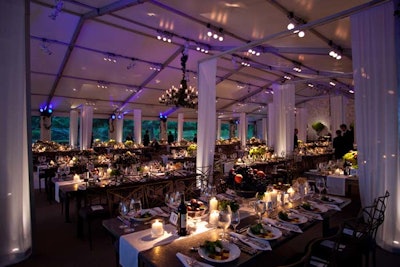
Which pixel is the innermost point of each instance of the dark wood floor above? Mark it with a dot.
(56, 242)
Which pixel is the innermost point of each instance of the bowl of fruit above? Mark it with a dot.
(196, 208)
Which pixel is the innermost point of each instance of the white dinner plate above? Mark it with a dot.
(143, 219)
(295, 219)
(315, 208)
(234, 253)
(330, 200)
(275, 233)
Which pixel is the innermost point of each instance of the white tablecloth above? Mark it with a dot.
(57, 188)
(336, 184)
(131, 244)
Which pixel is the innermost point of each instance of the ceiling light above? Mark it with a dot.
(102, 84)
(155, 67)
(310, 85)
(290, 26)
(254, 51)
(164, 36)
(351, 91)
(215, 33)
(297, 68)
(110, 57)
(56, 10)
(295, 22)
(46, 111)
(44, 46)
(287, 77)
(332, 83)
(202, 48)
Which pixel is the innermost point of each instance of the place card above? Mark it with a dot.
(173, 218)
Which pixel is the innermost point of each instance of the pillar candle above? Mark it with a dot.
(267, 197)
(274, 196)
(157, 229)
(77, 178)
(213, 220)
(213, 204)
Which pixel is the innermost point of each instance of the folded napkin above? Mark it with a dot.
(160, 212)
(308, 215)
(283, 225)
(336, 184)
(191, 262)
(325, 207)
(253, 242)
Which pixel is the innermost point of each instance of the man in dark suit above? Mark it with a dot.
(348, 138)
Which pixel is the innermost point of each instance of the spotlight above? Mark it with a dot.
(109, 57)
(164, 36)
(163, 117)
(46, 111)
(113, 116)
(216, 34)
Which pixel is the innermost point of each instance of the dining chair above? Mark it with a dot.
(124, 193)
(155, 193)
(355, 241)
(94, 207)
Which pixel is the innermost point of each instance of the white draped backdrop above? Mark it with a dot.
(377, 82)
(137, 121)
(301, 123)
(73, 128)
(86, 127)
(15, 166)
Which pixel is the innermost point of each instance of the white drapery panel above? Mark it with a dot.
(73, 128)
(301, 123)
(137, 122)
(86, 127)
(284, 117)
(243, 129)
(271, 126)
(206, 117)
(15, 213)
(119, 124)
(338, 105)
(180, 126)
(376, 77)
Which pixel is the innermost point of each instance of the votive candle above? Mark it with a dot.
(213, 204)
(213, 220)
(157, 229)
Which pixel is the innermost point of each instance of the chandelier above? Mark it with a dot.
(183, 96)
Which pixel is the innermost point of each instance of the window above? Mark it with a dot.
(128, 128)
(189, 129)
(35, 121)
(60, 130)
(100, 129)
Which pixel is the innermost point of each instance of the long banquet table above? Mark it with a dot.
(165, 255)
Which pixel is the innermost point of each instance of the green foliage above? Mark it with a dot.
(318, 126)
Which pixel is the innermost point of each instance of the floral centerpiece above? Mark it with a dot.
(192, 148)
(246, 181)
(129, 143)
(351, 157)
(257, 151)
(224, 203)
(126, 159)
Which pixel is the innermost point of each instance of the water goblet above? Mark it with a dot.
(235, 220)
(260, 208)
(224, 220)
(320, 184)
(123, 211)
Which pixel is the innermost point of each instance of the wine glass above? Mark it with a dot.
(260, 208)
(224, 220)
(67, 170)
(320, 184)
(123, 211)
(135, 205)
(235, 219)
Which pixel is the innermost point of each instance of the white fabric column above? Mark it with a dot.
(86, 127)
(376, 79)
(219, 125)
(45, 128)
(338, 105)
(284, 117)
(119, 127)
(264, 133)
(206, 117)
(243, 129)
(137, 121)
(16, 169)
(301, 123)
(163, 131)
(180, 126)
(73, 128)
(271, 126)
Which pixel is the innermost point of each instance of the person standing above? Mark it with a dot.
(339, 145)
(195, 138)
(146, 138)
(170, 138)
(348, 138)
(296, 139)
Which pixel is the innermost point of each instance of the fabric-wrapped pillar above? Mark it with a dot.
(45, 128)
(243, 129)
(284, 117)
(219, 125)
(163, 131)
(73, 128)
(271, 127)
(137, 121)
(180, 127)
(86, 127)
(119, 127)
(338, 105)
(264, 133)
(206, 117)
(15, 139)
(301, 123)
(376, 62)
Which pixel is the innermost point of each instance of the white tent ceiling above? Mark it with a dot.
(67, 53)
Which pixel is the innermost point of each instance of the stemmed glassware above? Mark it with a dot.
(235, 219)
(224, 220)
(260, 208)
(123, 211)
(320, 184)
